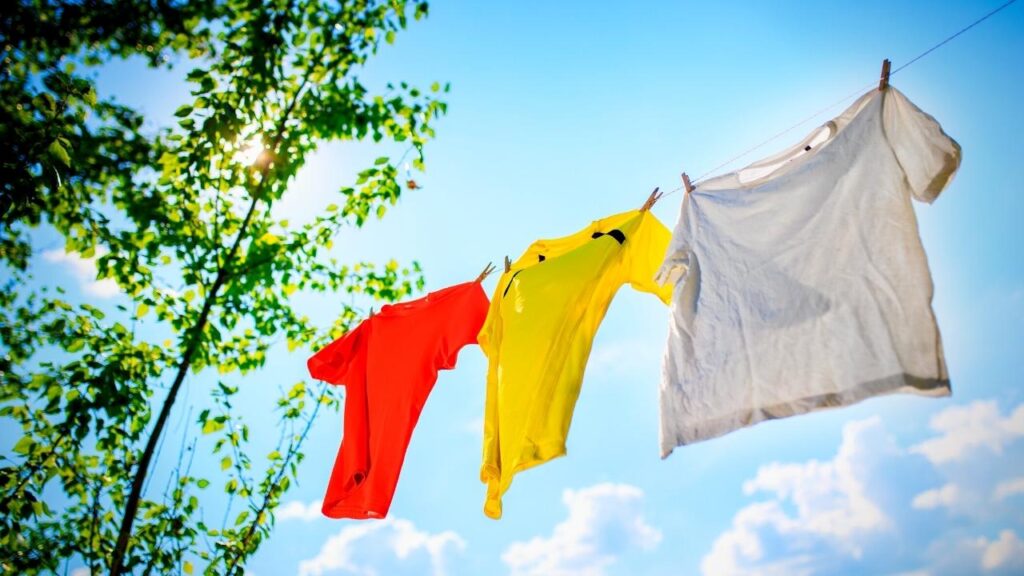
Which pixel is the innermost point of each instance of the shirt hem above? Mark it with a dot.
(897, 384)
(491, 474)
(355, 512)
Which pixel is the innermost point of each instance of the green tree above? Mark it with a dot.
(182, 220)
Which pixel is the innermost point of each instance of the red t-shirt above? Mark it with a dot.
(388, 365)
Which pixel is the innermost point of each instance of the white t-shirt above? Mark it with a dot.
(801, 282)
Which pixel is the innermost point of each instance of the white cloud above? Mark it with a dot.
(1009, 488)
(947, 496)
(1006, 552)
(81, 572)
(84, 270)
(740, 550)
(955, 555)
(831, 496)
(950, 555)
(389, 546)
(296, 510)
(834, 510)
(966, 429)
(604, 522)
(862, 512)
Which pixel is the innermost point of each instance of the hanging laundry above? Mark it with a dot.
(538, 334)
(801, 281)
(388, 365)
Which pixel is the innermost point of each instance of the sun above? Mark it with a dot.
(251, 151)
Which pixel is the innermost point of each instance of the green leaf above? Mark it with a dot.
(187, 567)
(141, 310)
(183, 111)
(225, 463)
(94, 311)
(212, 425)
(24, 446)
(380, 161)
(58, 152)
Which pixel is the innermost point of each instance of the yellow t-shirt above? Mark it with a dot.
(539, 329)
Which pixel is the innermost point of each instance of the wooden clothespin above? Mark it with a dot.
(654, 197)
(883, 81)
(508, 265)
(686, 183)
(486, 272)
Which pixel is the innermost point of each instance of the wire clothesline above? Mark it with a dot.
(821, 111)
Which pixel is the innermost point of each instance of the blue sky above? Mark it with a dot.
(561, 113)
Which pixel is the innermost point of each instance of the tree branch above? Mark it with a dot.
(277, 480)
(195, 336)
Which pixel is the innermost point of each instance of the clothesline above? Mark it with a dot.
(839, 314)
(842, 100)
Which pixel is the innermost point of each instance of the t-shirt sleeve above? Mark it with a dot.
(928, 156)
(346, 363)
(489, 335)
(466, 322)
(352, 464)
(646, 252)
(331, 364)
(490, 342)
(676, 263)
